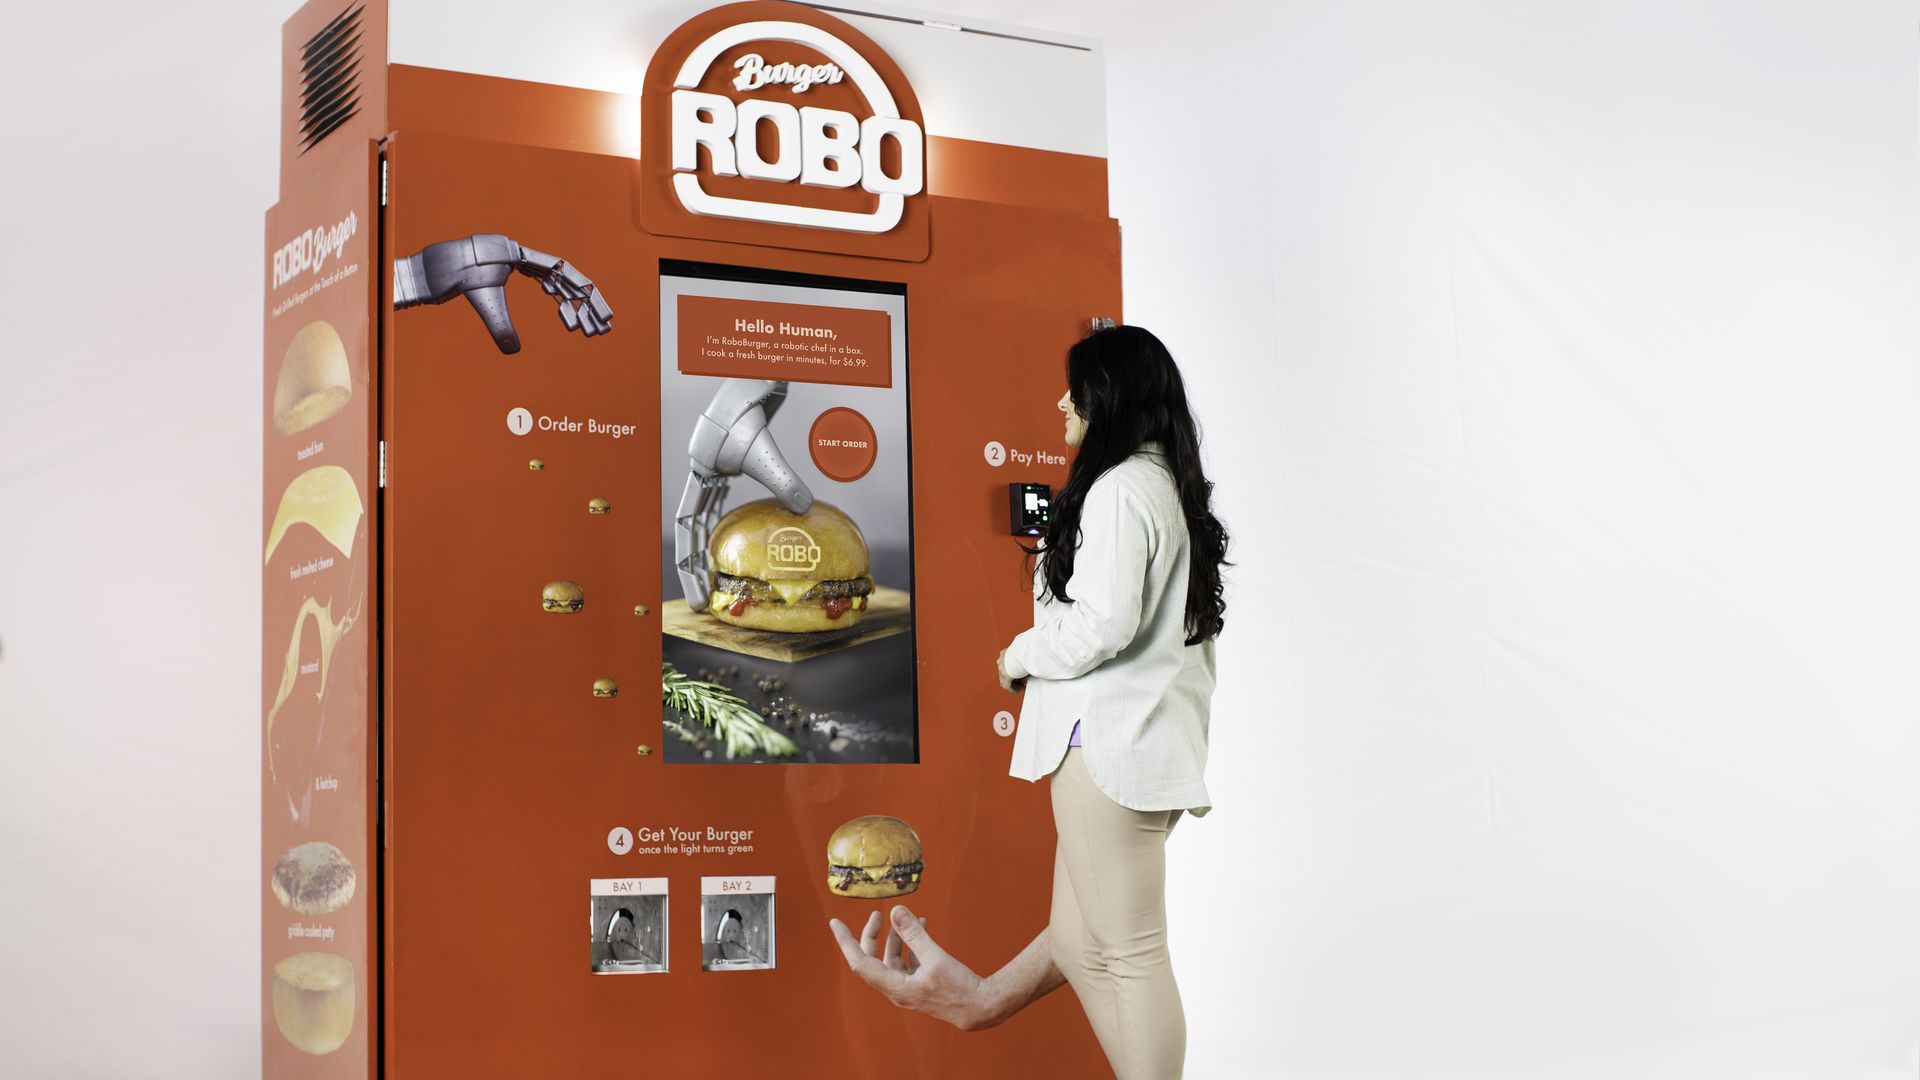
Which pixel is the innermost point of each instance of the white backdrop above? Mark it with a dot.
(1560, 376)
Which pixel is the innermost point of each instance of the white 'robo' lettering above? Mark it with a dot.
(825, 148)
(818, 147)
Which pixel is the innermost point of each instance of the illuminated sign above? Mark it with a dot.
(779, 125)
(818, 147)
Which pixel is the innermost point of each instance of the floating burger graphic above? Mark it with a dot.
(774, 124)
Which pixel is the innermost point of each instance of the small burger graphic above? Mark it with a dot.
(563, 597)
(777, 570)
(873, 858)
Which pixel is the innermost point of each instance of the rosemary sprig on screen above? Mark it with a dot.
(722, 711)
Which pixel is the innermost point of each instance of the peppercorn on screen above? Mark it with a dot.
(786, 539)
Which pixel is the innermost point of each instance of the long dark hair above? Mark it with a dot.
(1125, 384)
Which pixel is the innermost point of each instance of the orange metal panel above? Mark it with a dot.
(505, 774)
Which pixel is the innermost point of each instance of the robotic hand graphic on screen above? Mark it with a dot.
(730, 438)
(478, 268)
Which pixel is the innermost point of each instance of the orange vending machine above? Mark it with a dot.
(719, 343)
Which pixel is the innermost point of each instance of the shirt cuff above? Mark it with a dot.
(1011, 661)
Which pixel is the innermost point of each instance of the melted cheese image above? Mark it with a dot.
(313, 1000)
(324, 499)
(721, 601)
(792, 591)
(330, 634)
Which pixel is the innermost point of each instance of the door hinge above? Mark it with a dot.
(383, 463)
(383, 181)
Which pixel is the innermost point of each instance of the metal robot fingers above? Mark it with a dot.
(582, 307)
(478, 267)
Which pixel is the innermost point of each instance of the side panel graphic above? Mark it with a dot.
(319, 498)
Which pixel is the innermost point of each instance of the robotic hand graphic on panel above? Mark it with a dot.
(730, 438)
(478, 267)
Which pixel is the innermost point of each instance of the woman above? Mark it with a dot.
(1118, 670)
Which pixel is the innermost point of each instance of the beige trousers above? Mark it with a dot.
(1108, 928)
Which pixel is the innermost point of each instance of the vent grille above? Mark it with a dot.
(330, 78)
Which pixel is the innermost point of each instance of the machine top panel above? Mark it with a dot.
(980, 81)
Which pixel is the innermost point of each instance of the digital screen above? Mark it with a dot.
(786, 518)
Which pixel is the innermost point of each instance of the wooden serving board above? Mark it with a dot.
(889, 612)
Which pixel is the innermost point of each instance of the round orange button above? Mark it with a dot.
(842, 444)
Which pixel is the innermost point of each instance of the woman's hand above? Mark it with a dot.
(1007, 682)
(920, 976)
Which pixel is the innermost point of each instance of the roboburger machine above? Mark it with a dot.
(738, 364)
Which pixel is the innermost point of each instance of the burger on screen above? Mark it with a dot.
(789, 573)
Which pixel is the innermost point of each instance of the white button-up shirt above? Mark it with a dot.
(1116, 659)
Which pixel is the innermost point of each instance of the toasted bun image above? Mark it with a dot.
(313, 1000)
(873, 858)
(787, 572)
(313, 879)
(314, 381)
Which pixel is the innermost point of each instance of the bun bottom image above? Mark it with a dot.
(313, 1000)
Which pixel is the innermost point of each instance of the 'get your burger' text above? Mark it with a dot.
(671, 832)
